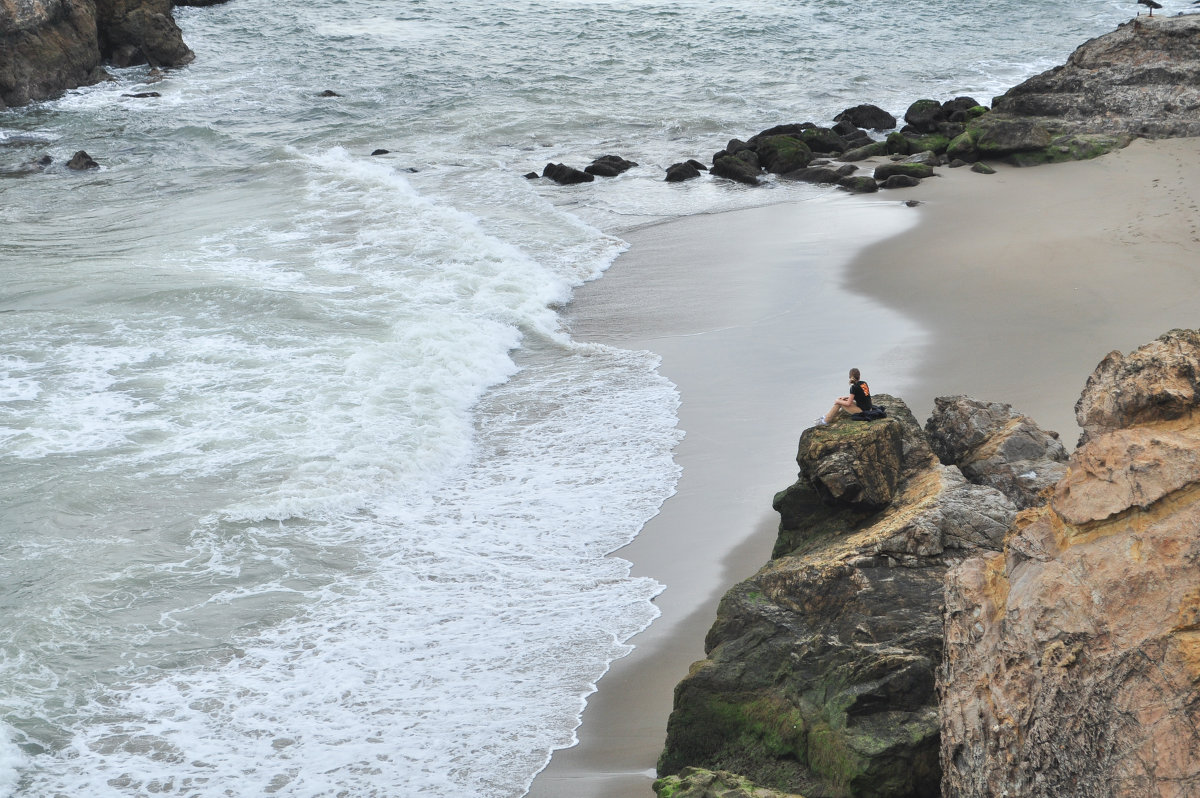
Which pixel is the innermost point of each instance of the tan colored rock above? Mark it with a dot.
(1158, 382)
(1072, 660)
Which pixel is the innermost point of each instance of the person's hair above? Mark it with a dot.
(855, 374)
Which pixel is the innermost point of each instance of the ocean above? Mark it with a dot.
(306, 488)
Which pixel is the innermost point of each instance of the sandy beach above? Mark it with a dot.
(1006, 287)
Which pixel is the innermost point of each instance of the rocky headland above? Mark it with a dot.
(961, 609)
(49, 46)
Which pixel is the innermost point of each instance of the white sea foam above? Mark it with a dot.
(11, 763)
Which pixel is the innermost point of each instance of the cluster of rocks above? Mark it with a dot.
(1141, 80)
(604, 166)
(48, 46)
(963, 609)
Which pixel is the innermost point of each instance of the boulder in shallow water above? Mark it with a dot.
(917, 170)
(734, 168)
(867, 116)
(609, 166)
(566, 175)
(859, 184)
(679, 172)
(783, 153)
(81, 160)
(900, 181)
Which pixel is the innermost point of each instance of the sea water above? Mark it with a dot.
(304, 488)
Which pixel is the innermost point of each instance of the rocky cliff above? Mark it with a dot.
(47, 46)
(1072, 660)
(1143, 79)
(821, 667)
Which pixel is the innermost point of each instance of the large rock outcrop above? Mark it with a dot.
(1072, 660)
(821, 667)
(48, 46)
(1143, 79)
(992, 444)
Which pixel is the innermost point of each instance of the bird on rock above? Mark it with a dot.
(1151, 4)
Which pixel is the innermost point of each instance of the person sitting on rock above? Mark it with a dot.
(859, 400)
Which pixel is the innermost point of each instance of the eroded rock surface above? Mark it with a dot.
(1073, 658)
(821, 668)
(1143, 79)
(992, 444)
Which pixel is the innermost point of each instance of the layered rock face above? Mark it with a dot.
(1141, 80)
(821, 667)
(47, 46)
(1072, 660)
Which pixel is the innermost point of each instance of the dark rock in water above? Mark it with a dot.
(748, 157)
(385, 152)
(679, 172)
(531, 175)
(140, 32)
(329, 93)
(857, 138)
(733, 168)
(901, 181)
(566, 175)
(917, 170)
(959, 105)
(45, 160)
(199, 3)
(814, 174)
(609, 166)
(847, 169)
(735, 146)
(81, 160)
(693, 162)
(994, 445)
(867, 116)
(783, 153)
(925, 115)
(791, 129)
(859, 184)
(912, 203)
(822, 139)
(142, 95)
(821, 668)
(982, 168)
(845, 127)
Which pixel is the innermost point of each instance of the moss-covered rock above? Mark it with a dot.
(701, 783)
(917, 170)
(932, 142)
(822, 139)
(925, 115)
(783, 153)
(963, 148)
(875, 148)
(733, 168)
(859, 184)
(898, 144)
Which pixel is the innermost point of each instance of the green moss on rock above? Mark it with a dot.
(783, 153)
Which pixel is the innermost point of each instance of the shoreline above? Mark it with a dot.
(1023, 280)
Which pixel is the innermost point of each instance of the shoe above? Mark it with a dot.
(820, 422)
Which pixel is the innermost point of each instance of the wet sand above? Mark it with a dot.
(1007, 287)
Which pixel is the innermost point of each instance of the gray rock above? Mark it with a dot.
(733, 168)
(995, 445)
